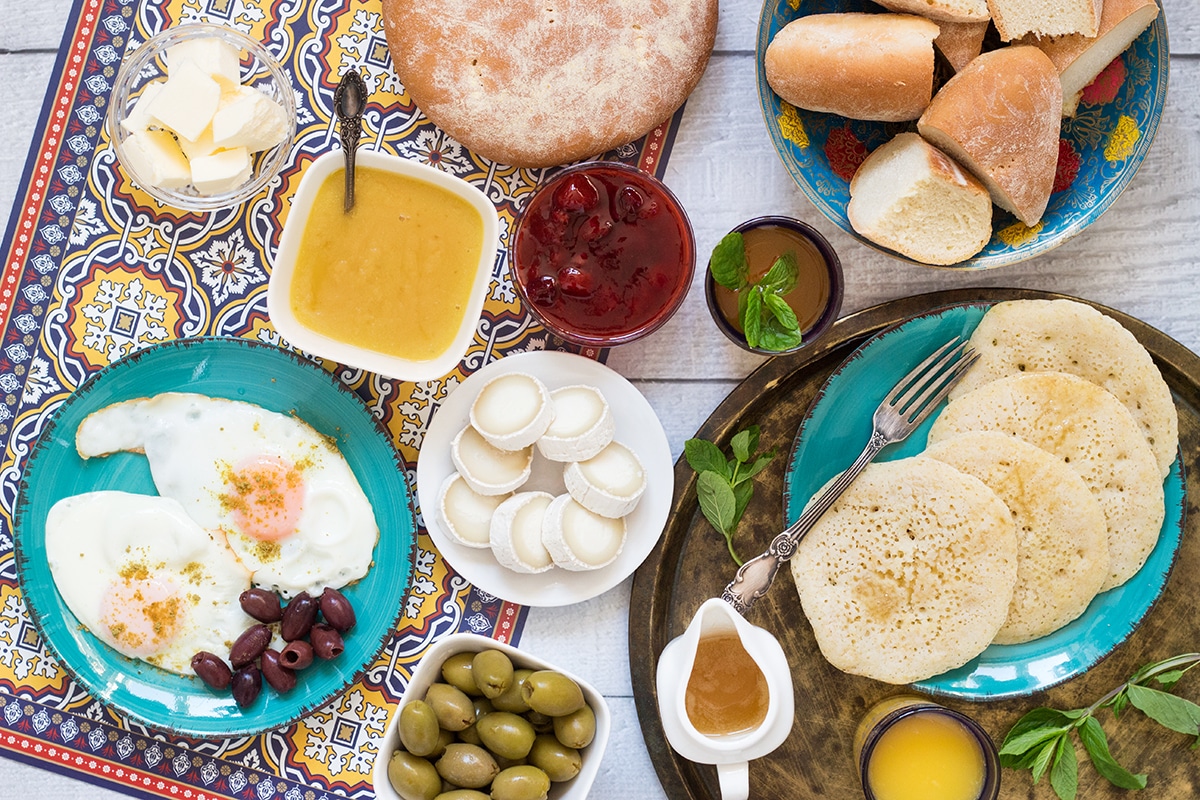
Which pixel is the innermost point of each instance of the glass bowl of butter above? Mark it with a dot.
(202, 117)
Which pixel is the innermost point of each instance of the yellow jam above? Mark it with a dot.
(394, 275)
(926, 756)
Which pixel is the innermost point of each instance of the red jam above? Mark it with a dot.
(603, 254)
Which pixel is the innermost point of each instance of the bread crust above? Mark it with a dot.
(1013, 18)
(536, 84)
(960, 42)
(862, 66)
(1000, 117)
(941, 10)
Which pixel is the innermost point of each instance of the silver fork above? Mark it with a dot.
(900, 413)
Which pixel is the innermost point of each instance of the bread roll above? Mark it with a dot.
(960, 42)
(941, 10)
(910, 197)
(1000, 118)
(861, 66)
(1080, 59)
(1015, 18)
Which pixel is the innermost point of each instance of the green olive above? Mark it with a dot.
(576, 729)
(505, 763)
(541, 723)
(554, 758)
(453, 708)
(419, 728)
(521, 783)
(462, 794)
(445, 737)
(511, 700)
(493, 672)
(467, 765)
(413, 777)
(456, 671)
(505, 734)
(482, 706)
(552, 693)
(470, 735)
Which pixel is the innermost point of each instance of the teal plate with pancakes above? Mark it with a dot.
(834, 432)
(236, 369)
(1100, 149)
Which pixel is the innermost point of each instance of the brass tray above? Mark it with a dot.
(691, 565)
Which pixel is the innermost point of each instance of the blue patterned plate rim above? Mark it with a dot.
(834, 431)
(1153, 43)
(238, 369)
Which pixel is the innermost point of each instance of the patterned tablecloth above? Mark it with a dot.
(94, 269)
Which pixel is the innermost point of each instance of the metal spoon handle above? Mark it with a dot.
(349, 100)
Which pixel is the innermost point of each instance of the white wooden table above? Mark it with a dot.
(1142, 257)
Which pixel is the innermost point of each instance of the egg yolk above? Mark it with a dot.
(264, 495)
(142, 615)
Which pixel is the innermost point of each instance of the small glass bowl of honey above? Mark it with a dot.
(816, 299)
(908, 748)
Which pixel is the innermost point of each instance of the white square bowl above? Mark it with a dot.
(279, 292)
(429, 671)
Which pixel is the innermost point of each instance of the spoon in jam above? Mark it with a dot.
(349, 100)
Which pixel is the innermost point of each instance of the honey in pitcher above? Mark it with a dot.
(727, 692)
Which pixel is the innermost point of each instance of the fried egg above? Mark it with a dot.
(277, 490)
(142, 576)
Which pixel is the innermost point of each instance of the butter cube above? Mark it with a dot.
(215, 57)
(249, 118)
(187, 101)
(138, 118)
(202, 146)
(155, 158)
(223, 171)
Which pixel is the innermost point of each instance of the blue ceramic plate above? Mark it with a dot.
(834, 432)
(1100, 150)
(237, 369)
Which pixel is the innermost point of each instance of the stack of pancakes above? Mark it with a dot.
(1042, 485)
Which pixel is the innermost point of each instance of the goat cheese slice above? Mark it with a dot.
(512, 411)
(138, 119)
(248, 118)
(583, 424)
(154, 157)
(187, 101)
(516, 533)
(609, 483)
(487, 469)
(222, 171)
(578, 539)
(215, 57)
(466, 514)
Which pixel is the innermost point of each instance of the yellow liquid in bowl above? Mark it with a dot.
(395, 274)
(926, 756)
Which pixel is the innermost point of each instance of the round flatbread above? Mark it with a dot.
(1062, 540)
(535, 84)
(1065, 336)
(910, 573)
(1093, 433)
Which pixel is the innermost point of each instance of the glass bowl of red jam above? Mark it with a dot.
(603, 254)
(816, 299)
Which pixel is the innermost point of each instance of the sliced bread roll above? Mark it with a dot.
(1080, 59)
(1015, 18)
(861, 66)
(960, 42)
(942, 10)
(1000, 118)
(910, 197)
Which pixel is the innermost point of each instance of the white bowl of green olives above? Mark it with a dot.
(482, 720)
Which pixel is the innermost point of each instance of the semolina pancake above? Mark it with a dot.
(1062, 539)
(1065, 336)
(910, 573)
(1091, 431)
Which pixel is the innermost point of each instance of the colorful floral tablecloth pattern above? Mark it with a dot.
(94, 269)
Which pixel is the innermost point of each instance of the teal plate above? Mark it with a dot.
(839, 424)
(1100, 149)
(237, 369)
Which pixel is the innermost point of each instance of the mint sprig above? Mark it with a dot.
(1041, 740)
(724, 486)
(768, 322)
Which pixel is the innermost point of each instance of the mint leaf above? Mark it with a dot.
(742, 493)
(1042, 761)
(1096, 744)
(752, 322)
(717, 502)
(740, 444)
(755, 433)
(1064, 775)
(1016, 745)
(1169, 679)
(782, 276)
(782, 312)
(1035, 719)
(756, 467)
(703, 455)
(1167, 710)
(774, 337)
(728, 262)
